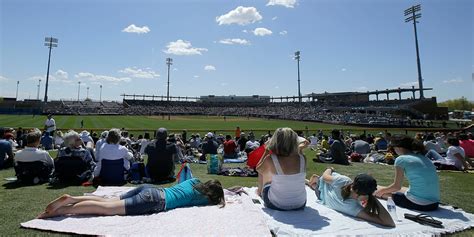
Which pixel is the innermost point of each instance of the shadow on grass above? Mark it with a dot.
(15, 185)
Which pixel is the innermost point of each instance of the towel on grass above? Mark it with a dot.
(318, 220)
(238, 218)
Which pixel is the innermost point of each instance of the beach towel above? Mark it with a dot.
(239, 217)
(318, 220)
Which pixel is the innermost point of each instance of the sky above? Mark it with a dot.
(233, 47)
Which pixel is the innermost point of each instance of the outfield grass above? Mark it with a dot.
(21, 204)
(202, 124)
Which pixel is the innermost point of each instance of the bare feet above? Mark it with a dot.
(64, 200)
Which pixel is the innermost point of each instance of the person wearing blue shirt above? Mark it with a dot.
(47, 141)
(423, 192)
(143, 200)
(353, 198)
(6, 154)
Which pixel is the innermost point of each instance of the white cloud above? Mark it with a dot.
(262, 31)
(235, 41)
(274, 18)
(2, 78)
(135, 72)
(136, 29)
(277, 87)
(409, 84)
(196, 76)
(175, 69)
(343, 69)
(62, 74)
(240, 15)
(93, 77)
(285, 3)
(224, 84)
(183, 47)
(209, 68)
(283, 32)
(245, 31)
(453, 81)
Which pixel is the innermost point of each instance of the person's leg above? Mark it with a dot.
(111, 208)
(433, 155)
(66, 199)
(387, 195)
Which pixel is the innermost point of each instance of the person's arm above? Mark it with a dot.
(10, 154)
(462, 160)
(261, 168)
(395, 186)
(327, 175)
(304, 144)
(383, 218)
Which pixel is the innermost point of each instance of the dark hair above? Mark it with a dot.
(228, 137)
(463, 136)
(430, 137)
(336, 134)
(371, 207)
(147, 136)
(453, 141)
(212, 189)
(404, 141)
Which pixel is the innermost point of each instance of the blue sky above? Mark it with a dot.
(234, 47)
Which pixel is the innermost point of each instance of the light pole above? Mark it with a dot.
(169, 62)
(411, 12)
(78, 90)
(49, 42)
(297, 58)
(87, 97)
(38, 93)
(16, 96)
(100, 96)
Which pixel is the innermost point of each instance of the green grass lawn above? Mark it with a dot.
(19, 204)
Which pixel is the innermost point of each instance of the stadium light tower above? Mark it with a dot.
(100, 95)
(87, 97)
(411, 15)
(16, 96)
(49, 42)
(169, 62)
(38, 93)
(297, 58)
(78, 90)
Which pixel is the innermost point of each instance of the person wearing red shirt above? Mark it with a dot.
(230, 148)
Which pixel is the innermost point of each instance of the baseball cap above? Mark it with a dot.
(209, 135)
(364, 184)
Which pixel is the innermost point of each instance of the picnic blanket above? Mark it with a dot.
(318, 220)
(239, 217)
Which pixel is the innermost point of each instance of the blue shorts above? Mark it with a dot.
(402, 201)
(270, 205)
(143, 200)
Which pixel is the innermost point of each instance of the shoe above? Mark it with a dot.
(424, 220)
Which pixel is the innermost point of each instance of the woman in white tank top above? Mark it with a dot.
(281, 174)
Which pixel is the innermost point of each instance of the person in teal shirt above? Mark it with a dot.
(423, 192)
(353, 198)
(146, 199)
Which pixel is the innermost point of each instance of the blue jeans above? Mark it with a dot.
(433, 155)
(143, 200)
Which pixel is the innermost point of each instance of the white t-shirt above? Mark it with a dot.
(452, 150)
(112, 152)
(313, 140)
(252, 145)
(50, 125)
(30, 154)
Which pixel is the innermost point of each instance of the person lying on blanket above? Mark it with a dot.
(146, 199)
(423, 192)
(353, 198)
(281, 175)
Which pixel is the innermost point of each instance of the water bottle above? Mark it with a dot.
(392, 209)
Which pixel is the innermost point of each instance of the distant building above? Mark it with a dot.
(258, 99)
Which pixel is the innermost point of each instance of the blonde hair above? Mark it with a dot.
(284, 142)
(70, 138)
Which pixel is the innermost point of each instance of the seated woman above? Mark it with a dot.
(281, 175)
(143, 200)
(337, 151)
(423, 191)
(340, 193)
(455, 157)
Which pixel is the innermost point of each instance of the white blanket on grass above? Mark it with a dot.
(318, 220)
(239, 217)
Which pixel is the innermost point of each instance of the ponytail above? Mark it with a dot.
(371, 207)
